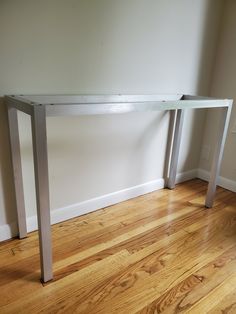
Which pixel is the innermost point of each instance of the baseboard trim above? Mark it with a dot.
(223, 182)
(187, 175)
(85, 207)
(8, 231)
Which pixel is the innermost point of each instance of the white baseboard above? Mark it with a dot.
(85, 207)
(223, 182)
(187, 175)
(8, 231)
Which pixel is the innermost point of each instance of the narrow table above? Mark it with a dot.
(41, 106)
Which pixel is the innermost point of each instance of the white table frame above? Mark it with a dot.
(38, 107)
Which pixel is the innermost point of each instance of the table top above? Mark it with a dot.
(103, 104)
(84, 99)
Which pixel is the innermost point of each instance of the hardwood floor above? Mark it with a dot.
(159, 253)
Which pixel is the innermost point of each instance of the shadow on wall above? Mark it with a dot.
(6, 180)
(151, 130)
(210, 31)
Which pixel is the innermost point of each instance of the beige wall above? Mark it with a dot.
(106, 46)
(224, 85)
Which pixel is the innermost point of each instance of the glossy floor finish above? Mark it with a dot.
(159, 253)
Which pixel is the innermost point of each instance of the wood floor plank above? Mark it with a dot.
(145, 239)
(173, 273)
(32, 261)
(215, 297)
(227, 305)
(90, 276)
(77, 266)
(159, 253)
(179, 268)
(69, 231)
(184, 295)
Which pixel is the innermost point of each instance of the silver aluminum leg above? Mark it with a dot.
(169, 145)
(17, 171)
(175, 148)
(42, 190)
(219, 149)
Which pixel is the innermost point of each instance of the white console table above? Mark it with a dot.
(38, 107)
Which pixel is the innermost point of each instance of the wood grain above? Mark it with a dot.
(159, 253)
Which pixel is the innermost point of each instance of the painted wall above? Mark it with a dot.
(106, 46)
(224, 85)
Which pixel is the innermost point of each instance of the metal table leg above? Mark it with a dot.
(17, 171)
(218, 155)
(175, 148)
(42, 190)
